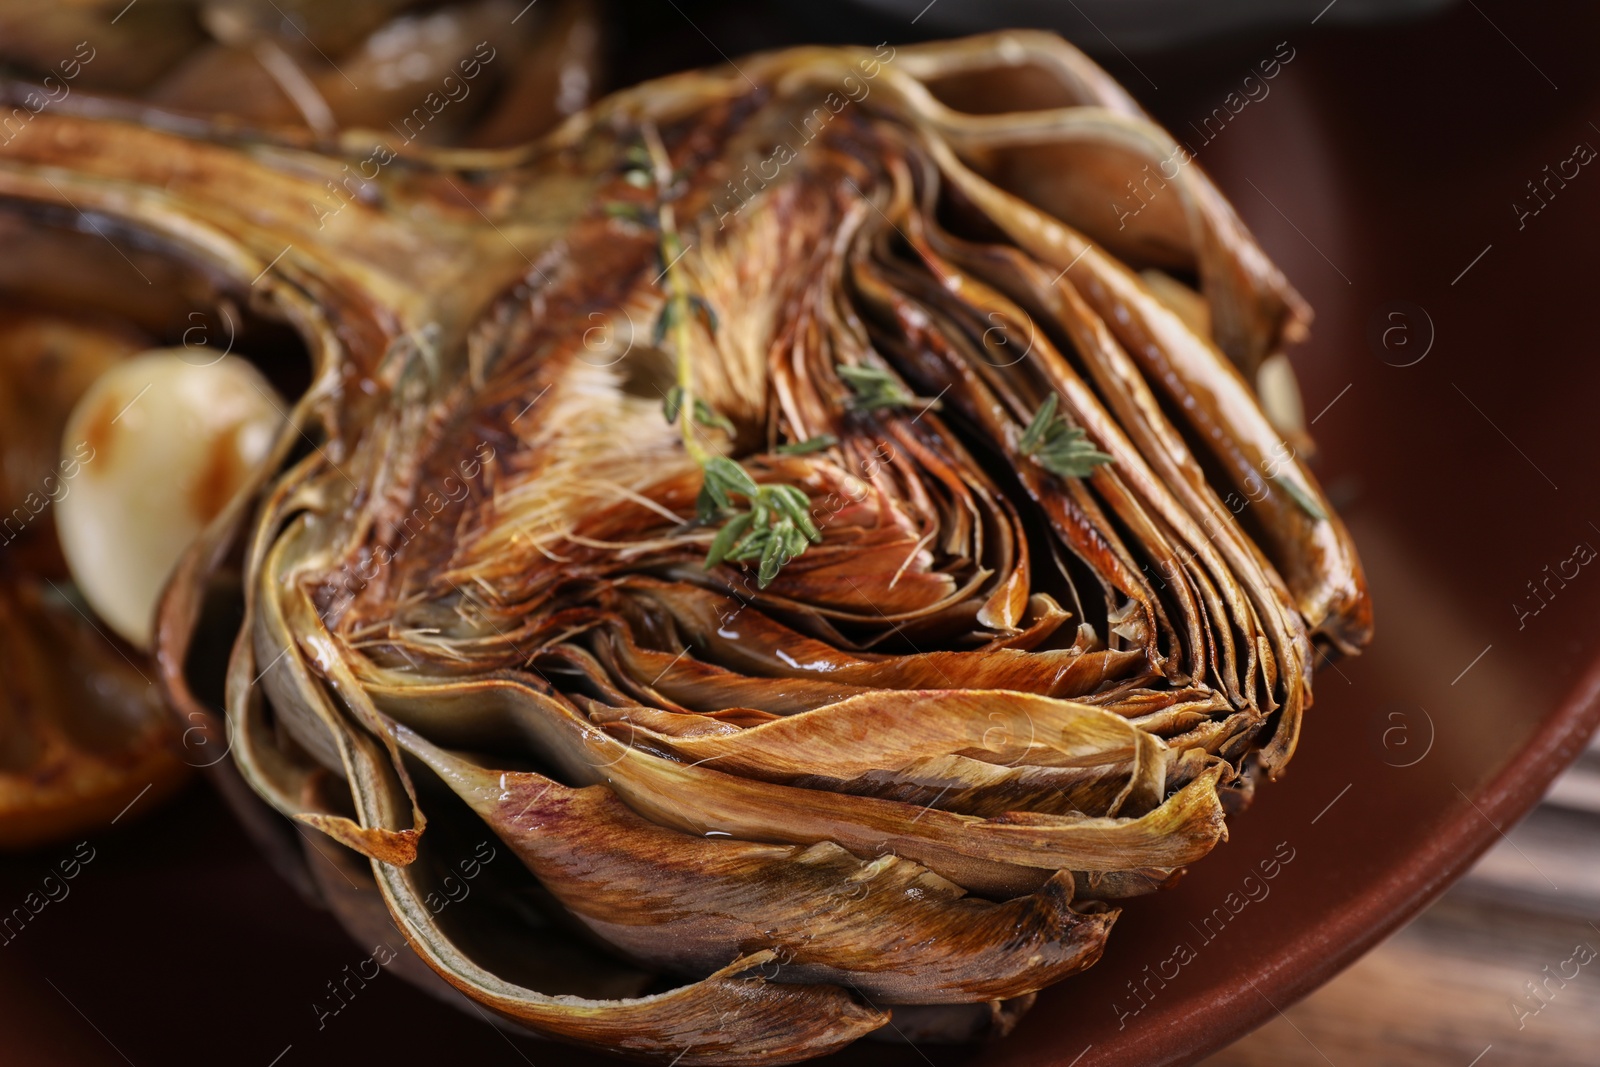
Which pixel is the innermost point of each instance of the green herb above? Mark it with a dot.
(1306, 502)
(774, 525)
(626, 209)
(665, 320)
(723, 479)
(810, 444)
(876, 388)
(707, 314)
(706, 415)
(776, 528)
(1058, 446)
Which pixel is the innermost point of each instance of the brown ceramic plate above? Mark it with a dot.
(1380, 172)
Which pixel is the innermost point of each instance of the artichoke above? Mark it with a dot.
(479, 72)
(776, 509)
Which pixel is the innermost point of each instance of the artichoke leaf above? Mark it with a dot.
(887, 927)
(1003, 856)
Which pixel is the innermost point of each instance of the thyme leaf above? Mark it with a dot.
(875, 388)
(1306, 502)
(707, 314)
(627, 209)
(706, 415)
(722, 478)
(810, 444)
(776, 528)
(1058, 446)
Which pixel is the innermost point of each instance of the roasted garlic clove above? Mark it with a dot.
(152, 452)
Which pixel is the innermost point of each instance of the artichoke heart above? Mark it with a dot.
(782, 508)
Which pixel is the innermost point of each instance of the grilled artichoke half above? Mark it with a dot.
(1046, 584)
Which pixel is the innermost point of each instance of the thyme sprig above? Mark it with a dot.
(773, 524)
(776, 528)
(1058, 446)
(704, 413)
(875, 388)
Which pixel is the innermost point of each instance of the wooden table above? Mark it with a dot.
(1503, 970)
